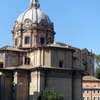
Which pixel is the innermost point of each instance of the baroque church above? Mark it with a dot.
(36, 62)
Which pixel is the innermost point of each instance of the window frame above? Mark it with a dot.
(27, 40)
(27, 61)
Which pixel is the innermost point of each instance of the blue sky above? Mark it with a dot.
(77, 22)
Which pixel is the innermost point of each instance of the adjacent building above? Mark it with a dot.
(91, 88)
(36, 62)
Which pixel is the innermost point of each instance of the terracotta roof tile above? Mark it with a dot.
(90, 78)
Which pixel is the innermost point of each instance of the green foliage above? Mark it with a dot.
(97, 73)
(50, 95)
(97, 60)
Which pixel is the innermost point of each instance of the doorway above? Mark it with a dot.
(1, 64)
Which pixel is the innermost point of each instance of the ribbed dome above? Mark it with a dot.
(34, 14)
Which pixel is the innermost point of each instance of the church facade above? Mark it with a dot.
(36, 62)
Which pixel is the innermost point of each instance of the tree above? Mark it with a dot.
(97, 60)
(98, 73)
(50, 95)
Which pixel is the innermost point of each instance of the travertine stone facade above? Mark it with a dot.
(10, 57)
(6, 80)
(54, 55)
(65, 83)
(77, 85)
(27, 84)
(34, 88)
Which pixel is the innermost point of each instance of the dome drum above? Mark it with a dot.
(31, 26)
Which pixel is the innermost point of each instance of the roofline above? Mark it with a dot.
(1, 50)
(52, 47)
(41, 69)
(91, 80)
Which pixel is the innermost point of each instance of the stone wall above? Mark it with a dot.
(51, 57)
(84, 59)
(22, 86)
(61, 83)
(66, 83)
(77, 86)
(13, 59)
(34, 88)
(63, 55)
(6, 80)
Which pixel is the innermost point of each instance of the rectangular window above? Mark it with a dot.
(42, 40)
(27, 61)
(27, 40)
(94, 91)
(98, 98)
(61, 64)
(87, 98)
(1, 65)
(83, 98)
(87, 91)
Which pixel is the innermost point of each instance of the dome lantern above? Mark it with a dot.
(34, 3)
